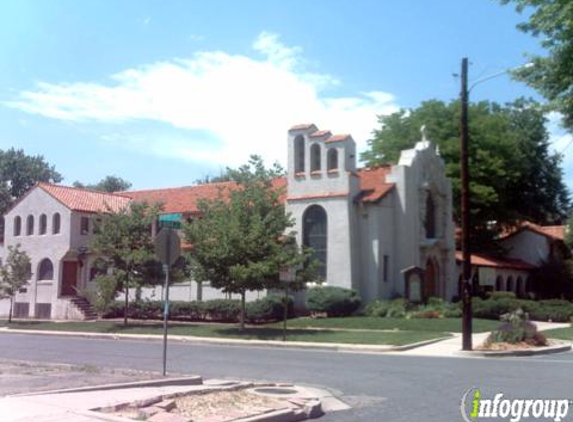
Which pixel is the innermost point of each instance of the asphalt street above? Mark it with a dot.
(380, 387)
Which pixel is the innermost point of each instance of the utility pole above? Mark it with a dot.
(466, 258)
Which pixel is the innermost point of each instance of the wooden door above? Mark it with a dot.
(69, 278)
(430, 281)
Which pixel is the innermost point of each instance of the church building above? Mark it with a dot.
(386, 231)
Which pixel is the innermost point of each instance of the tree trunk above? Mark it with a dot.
(243, 309)
(126, 306)
(10, 312)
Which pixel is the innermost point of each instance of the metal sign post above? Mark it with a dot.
(167, 250)
(286, 276)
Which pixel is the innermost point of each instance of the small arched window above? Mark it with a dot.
(510, 284)
(315, 158)
(332, 159)
(43, 224)
(46, 270)
(314, 229)
(430, 223)
(56, 222)
(30, 225)
(299, 154)
(17, 225)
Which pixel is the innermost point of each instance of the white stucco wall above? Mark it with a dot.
(38, 247)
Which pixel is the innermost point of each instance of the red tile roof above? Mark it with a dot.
(304, 126)
(552, 232)
(483, 260)
(186, 199)
(320, 133)
(85, 200)
(373, 183)
(337, 138)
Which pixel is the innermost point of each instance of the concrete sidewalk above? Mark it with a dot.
(451, 347)
(72, 406)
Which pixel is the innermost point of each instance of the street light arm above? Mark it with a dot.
(495, 75)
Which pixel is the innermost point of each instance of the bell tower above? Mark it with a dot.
(322, 184)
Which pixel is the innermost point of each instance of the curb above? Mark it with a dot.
(334, 347)
(191, 380)
(558, 348)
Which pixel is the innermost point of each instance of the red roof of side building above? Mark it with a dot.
(483, 260)
(186, 199)
(85, 200)
(553, 232)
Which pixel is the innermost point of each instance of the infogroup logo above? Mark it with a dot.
(475, 407)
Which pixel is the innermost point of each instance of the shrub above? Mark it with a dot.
(187, 311)
(334, 301)
(222, 310)
(270, 308)
(427, 314)
(516, 328)
(377, 308)
(398, 308)
(545, 310)
(501, 295)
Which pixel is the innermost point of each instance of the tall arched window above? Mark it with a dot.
(529, 285)
(332, 159)
(499, 284)
(510, 284)
(17, 225)
(56, 222)
(520, 288)
(43, 224)
(30, 225)
(314, 229)
(299, 154)
(430, 223)
(46, 270)
(315, 158)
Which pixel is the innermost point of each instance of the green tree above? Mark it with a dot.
(552, 74)
(19, 173)
(569, 233)
(241, 241)
(107, 184)
(125, 242)
(514, 176)
(14, 274)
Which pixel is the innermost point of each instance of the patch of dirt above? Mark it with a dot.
(27, 377)
(203, 405)
(507, 346)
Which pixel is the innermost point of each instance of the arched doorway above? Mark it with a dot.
(431, 279)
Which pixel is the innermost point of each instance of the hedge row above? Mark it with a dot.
(218, 310)
(555, 310)
(494, 307)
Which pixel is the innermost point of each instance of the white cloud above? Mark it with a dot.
(246, 104)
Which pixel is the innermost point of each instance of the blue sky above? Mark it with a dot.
(163, 93)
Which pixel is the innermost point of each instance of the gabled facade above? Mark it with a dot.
(54, 224)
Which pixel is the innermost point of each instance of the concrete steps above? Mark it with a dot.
(84, 307)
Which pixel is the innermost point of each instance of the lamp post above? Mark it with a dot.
(465, 199)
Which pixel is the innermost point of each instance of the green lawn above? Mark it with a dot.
(231, 331)
(560, 333)
(450, 325)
